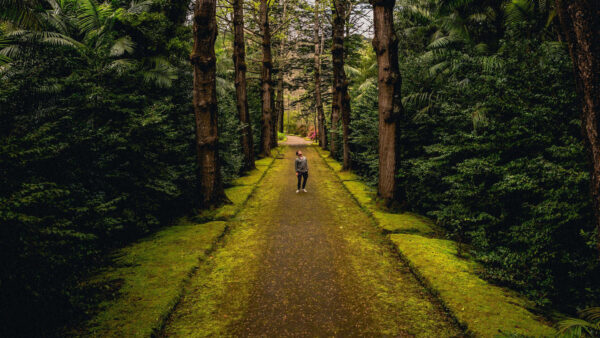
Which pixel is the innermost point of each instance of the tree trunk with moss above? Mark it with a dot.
(385, 43)
(203, 60)
(239, 62)
(580, 20)
(266, 86)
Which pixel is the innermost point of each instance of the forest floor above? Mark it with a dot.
(305, 264)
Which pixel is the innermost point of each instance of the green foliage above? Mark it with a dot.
(491, 145)
(97, 146)
(588, 325)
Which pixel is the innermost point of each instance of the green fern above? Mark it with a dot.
(588, 325)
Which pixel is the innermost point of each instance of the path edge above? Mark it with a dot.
(467, 326)
(155, 329)
(159, 330)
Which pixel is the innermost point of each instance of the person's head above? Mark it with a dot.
(299, 153)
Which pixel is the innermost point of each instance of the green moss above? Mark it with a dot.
(252, 177)
(239, 194)
(263, 162)
(347, 176)
(335, 165)
(361, 192)
(396, 300)
(324, 153)
(218, 293)
(485, 309)
(405, 222)
(151, 274)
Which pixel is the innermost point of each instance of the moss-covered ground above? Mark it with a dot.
(328, 262)
(485, 310)
(147, 279)
(307, 264)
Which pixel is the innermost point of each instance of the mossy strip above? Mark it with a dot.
(251, 178)
(404, 223)
(348, 176)
(483, 309)
(151, 274)
(486, 310)
(361, 192)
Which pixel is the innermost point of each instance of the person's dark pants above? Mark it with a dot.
(300, 175)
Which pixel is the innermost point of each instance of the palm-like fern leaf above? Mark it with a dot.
(122, 45)
(163, 74)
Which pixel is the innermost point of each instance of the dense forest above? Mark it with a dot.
(118, 117)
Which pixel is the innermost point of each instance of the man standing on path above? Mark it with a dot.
(301, 166)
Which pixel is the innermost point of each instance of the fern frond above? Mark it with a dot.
(591, 314)
(162, 75)
(122, 45)
(576, 327)
(89, 16)
(121, 65)
(139, 7)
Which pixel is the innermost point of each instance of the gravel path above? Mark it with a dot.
(306, 264)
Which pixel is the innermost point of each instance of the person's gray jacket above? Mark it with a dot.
(301, 165)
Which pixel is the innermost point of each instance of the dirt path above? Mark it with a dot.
(307, 264)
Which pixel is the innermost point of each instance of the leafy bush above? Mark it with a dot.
(494, 154)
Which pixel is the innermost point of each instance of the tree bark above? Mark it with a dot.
(580, 21)
(203, 60)
(279, 107)
(385, 43)
(318, 100)
(239, 61)
(266, 86)
(341, 99)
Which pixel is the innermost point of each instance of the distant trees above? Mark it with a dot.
(205, 103)
(385, 43)
(580, 21)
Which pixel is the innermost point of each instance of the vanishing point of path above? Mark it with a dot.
(308, 264)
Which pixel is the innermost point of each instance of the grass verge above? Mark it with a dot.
(483, 309)
(146, 279)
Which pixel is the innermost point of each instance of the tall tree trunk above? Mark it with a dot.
(385, 44)
(239, 61)
(266, 86)
(338, 32)
(318, 100)
(281, 58)
(341, 99)
(203, 60)
(580, 20)
(274, 116)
